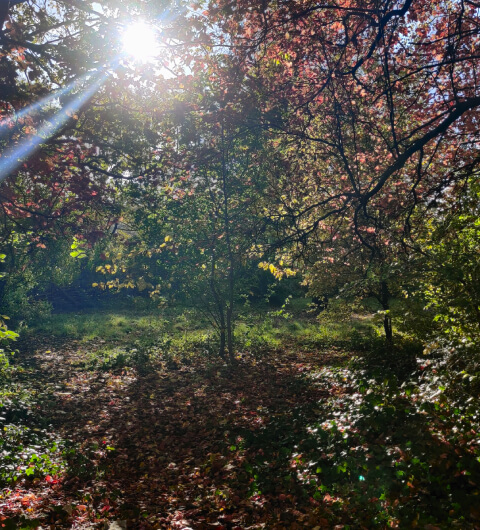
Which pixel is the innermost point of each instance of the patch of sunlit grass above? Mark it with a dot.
(107, 326)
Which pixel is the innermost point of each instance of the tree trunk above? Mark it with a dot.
(387, 319)
(220, 309)
(221, 349)
(222, 326)
(231, 353)
(231, 258)
(387, 326)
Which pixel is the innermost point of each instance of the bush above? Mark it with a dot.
(23, 308)
(458, 364)
(382, 358)
(5, 367)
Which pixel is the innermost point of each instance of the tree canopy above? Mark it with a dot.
(333, 128)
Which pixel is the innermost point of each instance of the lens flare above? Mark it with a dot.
(12, 158)
(7, 121)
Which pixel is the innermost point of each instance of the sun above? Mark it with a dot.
(139, 41)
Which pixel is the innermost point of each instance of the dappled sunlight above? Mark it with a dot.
(282, 439)
(239, 274)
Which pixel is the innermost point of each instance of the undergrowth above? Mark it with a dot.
(391, 441)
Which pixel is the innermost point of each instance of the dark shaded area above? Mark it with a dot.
(271, 441)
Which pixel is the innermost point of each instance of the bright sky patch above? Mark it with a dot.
(140, 42)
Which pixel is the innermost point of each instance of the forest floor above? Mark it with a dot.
(289, 437)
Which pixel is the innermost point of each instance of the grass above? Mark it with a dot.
(109, 340)
(113, 326)
(182, 327)
(120, 338)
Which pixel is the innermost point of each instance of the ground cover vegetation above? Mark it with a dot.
(239, 279)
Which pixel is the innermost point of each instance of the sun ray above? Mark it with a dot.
(7, 121)
(12, 158)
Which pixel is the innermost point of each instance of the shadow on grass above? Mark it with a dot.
(287, 441)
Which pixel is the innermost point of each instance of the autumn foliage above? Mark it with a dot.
(270, 150)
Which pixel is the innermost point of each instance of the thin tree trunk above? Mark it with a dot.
(220, 308)
(387, 319)
(387, 326)
(231, 261)
(231, 352)
(221, 349)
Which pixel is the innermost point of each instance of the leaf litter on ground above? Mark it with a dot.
(289, 439)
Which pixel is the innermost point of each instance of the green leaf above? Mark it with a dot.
(78, 254)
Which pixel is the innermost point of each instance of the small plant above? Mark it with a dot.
(28, 453)
(5, 366)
